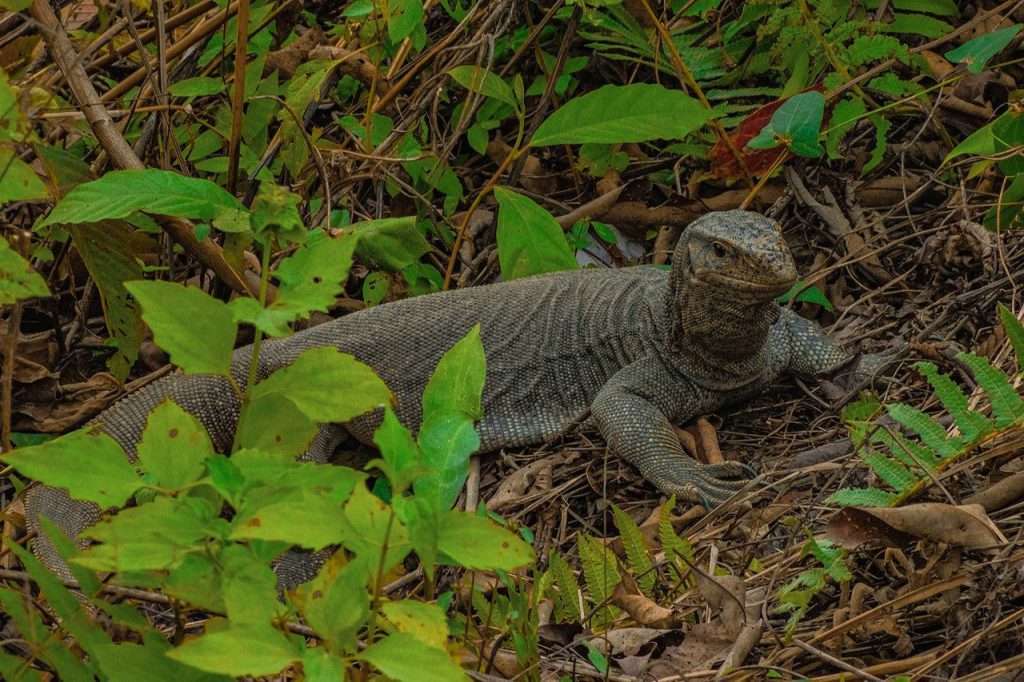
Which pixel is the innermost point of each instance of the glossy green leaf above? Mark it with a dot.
(977, 52)
(90, 467)
(481, 81)
(174, 447)
(18, 280)
(197, 330)
(457, 384)
(197, 87)
(917, 24)
(327, 386)
(623, 113)
(404, 658)
(400, 453)
(803, 293)
(477, 542)
(18, 182)
(118, 194)
(796, 125)
(530, 242)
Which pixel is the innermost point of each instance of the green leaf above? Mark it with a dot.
(276, 209)
(298, 517)
(26, 616)
(930, 431)
(174, 447)
(328, 386)
(196, 329)
(477, 542)
(806, 294)
(18, 281)
(15, 5)
(390, 243)
(404, 658)
(882, 126)
(1014, 331)
(796, 124)
(239, 650)
(400, 453)
(90, 467)
(601, 575)
(530, 242)
(483, 82)
(18, 182)
(404, 17)
(567, 604)
(981, 142)
(889, 470)
(111, 251)
(862, 497)
(128, 661)
(370, 526)
(425, 622)
(457, 384)
(971, 424)
(623, 113)
(118, 194)
(197, 87)
(844, 116)
(636, 550)
(916, 24)
(274, 424)
(250, 587)
(977, 52)
(336, 602)
(1007, 405)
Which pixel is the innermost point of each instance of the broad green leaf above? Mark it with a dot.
(318, 665)
(90, 467)
(277, 473)
(426, 622)
(18, 182)
(479, 80)
(303, 89)
(457, 384)
(477, 542)
(111, 251)
(844, 116)
(154, 536)
(977, 52)
(197, 330)
(250, 587)
(806, 294)
(370, 526)
(796, 125)
(18, 281)
(390, 243)
(530, 242)
(238, 651)
(196, 580)
(916, 24)
(10, 114)
(981, 142)
(336, 602)
(174, 447)
(298, 517)
(276, 209)
(403, 18)
(129, 662)
(446, 441)
(197, 87)
(1014, 331)
(400, 453)
(623, 113)
(274, 424)
(26, 616)
(862, 497)
(327, 385)
(15, 5)
(404, 658)
(314, 276)
(1009, 209)
(118, 194)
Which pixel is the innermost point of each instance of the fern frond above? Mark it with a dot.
(601, 575)
(905, 450)
(1014, 331)
(930, 431)
(874, 48)
(971, 424)
(862, 497)
(889, 470)
(1007, 405)
(636, 550)
(673, 545)
(567, 598)
(831, 557)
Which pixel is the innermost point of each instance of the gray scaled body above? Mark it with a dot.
(634, 350)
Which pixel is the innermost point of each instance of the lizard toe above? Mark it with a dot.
(729, 470)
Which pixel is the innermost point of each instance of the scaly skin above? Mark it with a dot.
(637, 349)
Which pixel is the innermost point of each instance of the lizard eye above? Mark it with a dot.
(720, 250)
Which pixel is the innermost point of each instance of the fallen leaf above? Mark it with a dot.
(965, 525)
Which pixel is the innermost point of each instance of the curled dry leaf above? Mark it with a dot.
(520, 481)
(726, 594)
(965, 525)
(642, 609)
(626, 641)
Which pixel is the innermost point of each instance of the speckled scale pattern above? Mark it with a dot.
(636, 349)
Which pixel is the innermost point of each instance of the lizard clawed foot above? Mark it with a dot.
(709, 484)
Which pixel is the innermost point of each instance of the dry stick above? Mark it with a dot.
(238, 94)
(121, 153)
(967, 644)
(837, 662)
(688, 81)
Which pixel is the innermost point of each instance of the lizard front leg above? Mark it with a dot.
(812, 353)
(632, 412)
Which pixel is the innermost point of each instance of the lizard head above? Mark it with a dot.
(736, 253)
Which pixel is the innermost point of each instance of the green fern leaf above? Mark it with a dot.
(889, 470)
(905, 450)
(567, 599)
(1007, 405)
(882, 126)
(673, 545)
(636, 550)
(1014, 331)
(862, 497)
(831, 557)
(844, 116)
(971, 424)
(868, 48)
(601, 575)
(930, 431)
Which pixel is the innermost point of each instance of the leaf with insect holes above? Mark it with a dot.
(796, 125)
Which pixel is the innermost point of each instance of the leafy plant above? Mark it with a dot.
(906, 464)
(796, 596)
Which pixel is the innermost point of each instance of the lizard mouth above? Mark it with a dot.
(766, 290)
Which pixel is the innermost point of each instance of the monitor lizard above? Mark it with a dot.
(631, 351)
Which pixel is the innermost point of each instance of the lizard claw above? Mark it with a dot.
(709, 484)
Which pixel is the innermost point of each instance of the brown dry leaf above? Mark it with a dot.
(288, 59)
(44, 414)
(516, 485)
(726, 594)
(937, 64)
(965, 525)
(644, 610)
(705, 643)
(626, 641)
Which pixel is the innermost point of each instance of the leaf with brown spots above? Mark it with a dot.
(174, 447)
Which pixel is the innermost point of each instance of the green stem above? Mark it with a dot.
(257, 342)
